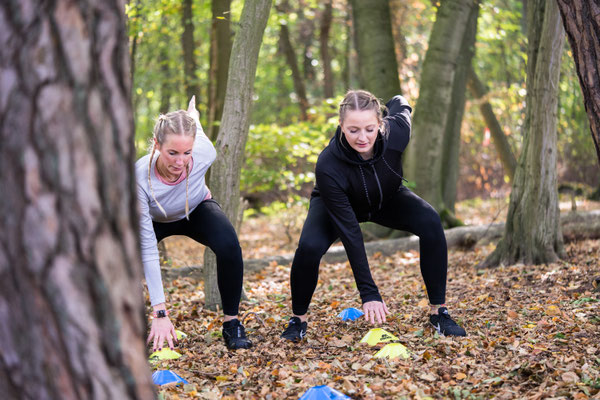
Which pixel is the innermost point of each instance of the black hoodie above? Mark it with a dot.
(353, 188)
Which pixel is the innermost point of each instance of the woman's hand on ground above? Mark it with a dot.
(162, 329)
(375, 310)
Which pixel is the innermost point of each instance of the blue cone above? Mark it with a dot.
(323, 392)
(164, 377)
(350, 314)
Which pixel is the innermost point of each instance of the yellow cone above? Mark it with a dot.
(393, 350)
(377, 335)
(165, 354)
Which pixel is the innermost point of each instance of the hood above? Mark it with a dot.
(342, 150)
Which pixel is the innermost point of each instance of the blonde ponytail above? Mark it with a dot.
(187, 184)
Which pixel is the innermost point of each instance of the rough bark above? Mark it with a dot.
(575, 226)
(326, 19)
(479, 92)
(220, 51)
(424, 160)
(290, 56)
(581, 20)
(451, 141)
(235, 123)
(190, 82)
(71, 326)
(378, 69)
(532, 234)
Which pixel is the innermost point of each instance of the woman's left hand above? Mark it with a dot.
(192, 111)
(375, 310)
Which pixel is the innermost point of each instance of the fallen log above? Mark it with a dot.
(574, 225)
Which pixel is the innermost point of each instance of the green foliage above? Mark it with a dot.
(282, 158)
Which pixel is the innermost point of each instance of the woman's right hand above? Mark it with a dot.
(375, 310)
(162, 329)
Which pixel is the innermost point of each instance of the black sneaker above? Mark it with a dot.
(295, 331)
(234, 335)
(446, 325)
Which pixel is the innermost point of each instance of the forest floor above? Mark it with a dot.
(532, 330)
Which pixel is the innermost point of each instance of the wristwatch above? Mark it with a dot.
(160, 313)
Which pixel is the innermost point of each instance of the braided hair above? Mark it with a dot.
(362, 100)
(173, 123)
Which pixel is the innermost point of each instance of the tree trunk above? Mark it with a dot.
(325, 57)
(290, 56)
(306, 35)
(581, 20)
(190, 82)
(399, 12)
(220, 51)
(378, 70)
(451, 141)
(479, 92)
(532, 234)
(235, 123)
(347, 71)
(134, 41)
(71, 307)
(424, 160)
(166, 85)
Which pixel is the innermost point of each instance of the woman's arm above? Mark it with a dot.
(162, 328)
(399, 122)
(346, 223)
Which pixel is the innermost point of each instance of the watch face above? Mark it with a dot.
(160, 314)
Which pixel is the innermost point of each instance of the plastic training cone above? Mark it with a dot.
(165, 354)
(377, 335)
(323, 393)
(180, 335)
(350, 314)
(165, 377)
(393, 350)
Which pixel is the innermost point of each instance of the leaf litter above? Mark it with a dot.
(532, 333)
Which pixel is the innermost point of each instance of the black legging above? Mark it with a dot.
(209, 226)
(405, 211)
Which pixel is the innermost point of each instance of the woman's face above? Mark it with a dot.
(360, 127)
(175, 153)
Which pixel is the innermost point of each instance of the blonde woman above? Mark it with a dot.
(359, 178)
(174, 200)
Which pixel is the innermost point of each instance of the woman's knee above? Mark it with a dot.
(311, 248)
(226, 246)
(430, 225)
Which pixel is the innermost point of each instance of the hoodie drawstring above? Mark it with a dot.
(394, 172)
(362, 174)
(379, 186)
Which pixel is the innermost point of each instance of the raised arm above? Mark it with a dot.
(399, 122)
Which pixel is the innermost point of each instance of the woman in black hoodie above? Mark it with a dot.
(359, 178)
